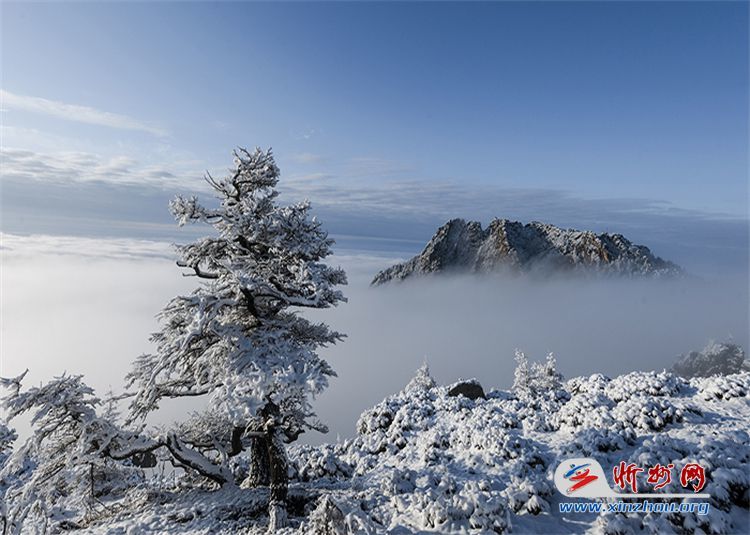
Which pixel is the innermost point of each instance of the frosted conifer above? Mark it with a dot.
(238, 339)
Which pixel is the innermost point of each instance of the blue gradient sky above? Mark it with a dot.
(628, 117)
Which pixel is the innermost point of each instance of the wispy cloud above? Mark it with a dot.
(356, 167)
(382, 202)
(81, 167)
(420, 199)
(75, 112)
(308, 158)
(310, 177)
(371, 166)
(352, 189)
(305, 134)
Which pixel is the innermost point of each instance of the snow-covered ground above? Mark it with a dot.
(425, 461)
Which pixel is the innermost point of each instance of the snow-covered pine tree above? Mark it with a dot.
(548, 377)
(535, 378)
(63, 467)
(237, 338)
(7, 437)
(522, 373)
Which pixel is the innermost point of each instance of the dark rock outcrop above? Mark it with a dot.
(144, 460)
(470, 389)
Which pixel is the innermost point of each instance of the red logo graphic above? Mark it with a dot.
(660, 476)
(580, 475)
(626, 475)
(584, 477)
(692, 472)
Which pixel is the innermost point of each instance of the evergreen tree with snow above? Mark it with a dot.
(7, 437)
(547, 376)
(522, 373)
(64, 466)
(238, 338)
(534, 379)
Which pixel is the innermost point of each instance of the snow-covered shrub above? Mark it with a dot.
(387, 426)
(645, 413)
(327, 519)
(436, 461)
(479, 509)
(644, 384)
(585, 411)
(721, 387)
(308, 463)
(727, 472)
(427, 461)
(592, 384)
(672, 416)
(593, 441)
(452, 443)
(527, 495)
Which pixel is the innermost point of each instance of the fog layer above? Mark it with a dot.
(469, 327)
(89, 314)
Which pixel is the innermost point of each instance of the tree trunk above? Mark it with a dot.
(279, 477)
(260, 470)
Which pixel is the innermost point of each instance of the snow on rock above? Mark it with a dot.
(715, 359)
(461, 246)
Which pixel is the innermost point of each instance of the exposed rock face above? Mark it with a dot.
(470, 389)
(715, 359)
(144, 460)
(464, 247)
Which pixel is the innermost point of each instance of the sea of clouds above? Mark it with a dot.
(83, 305)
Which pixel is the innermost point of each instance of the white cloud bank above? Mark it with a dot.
(17, 249)
(75, 112)
(91, 309)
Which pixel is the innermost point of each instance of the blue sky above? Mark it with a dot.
(629, 117)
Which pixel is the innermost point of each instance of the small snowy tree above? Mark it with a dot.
(521, 375)
(62, 467)
(547, 376)
(537, 378)
(422, 380)
(237, 337)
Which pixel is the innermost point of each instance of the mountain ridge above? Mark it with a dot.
(459, 246)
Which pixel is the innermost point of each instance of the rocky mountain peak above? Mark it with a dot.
(465, 247)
